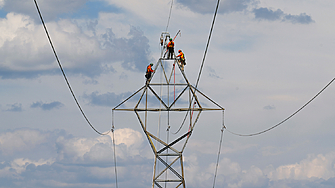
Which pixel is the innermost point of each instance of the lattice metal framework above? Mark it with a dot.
(187, 104)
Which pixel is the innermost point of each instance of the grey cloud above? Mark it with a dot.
(53, 158)
(82, 55)
(50, 9)
(35, 158)
(29, 143)
(302, 18)
(47, 106)
(111, 99)
(269, 107)
(212, 73)
(7, 73)
(208, 6)
(268, 14)
(14, 107)
(312, 182)
(134, 51)
(107, 99)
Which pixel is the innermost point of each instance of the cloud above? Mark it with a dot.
(50, 9)
(14, 107)
(43, 158)
(265, 13)
(269, 107)
(108, 99)
(47, 106)
(2, 2)
(212, 73)
(134, 51)
(208, 7)
(25, 55)
(111, 99)
(40, 158)
(320, 166)
(302, 18)
(30, 143)
(268, 14)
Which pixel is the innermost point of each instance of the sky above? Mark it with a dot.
(265, 60)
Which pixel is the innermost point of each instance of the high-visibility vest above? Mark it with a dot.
(149, 69)
(181, 55)
(170, 44)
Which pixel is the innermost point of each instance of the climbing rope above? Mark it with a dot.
(174, 81)
(289, 117)
(61, 68)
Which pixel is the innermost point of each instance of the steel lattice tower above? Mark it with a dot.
(184, 107)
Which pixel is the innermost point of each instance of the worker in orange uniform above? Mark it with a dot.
(149, 71)
(170, 48)
(181, 59)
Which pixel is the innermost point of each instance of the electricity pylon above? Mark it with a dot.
(152, 107)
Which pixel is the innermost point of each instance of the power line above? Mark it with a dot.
(289, 117)
(203, 61)
(219, 152)
(61, 68)
(209, 38)
(114, 149)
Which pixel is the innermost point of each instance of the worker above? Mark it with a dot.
(170, 48)
(181, 59)
(149, 71)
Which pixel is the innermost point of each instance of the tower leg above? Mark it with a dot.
(176, 179)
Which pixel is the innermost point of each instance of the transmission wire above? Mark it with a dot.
(209, 38)
(220, 146)
(203, 61)
(61, 68)
(289, 117)
(114, 149)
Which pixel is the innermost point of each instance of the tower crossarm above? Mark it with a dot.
(167, 109)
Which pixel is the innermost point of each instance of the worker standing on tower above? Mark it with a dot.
(149, 71)
(181, 59)
(170, 48)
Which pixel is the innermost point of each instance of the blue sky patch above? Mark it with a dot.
(3, 13)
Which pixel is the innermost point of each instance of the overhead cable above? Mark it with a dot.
(261, 132)
(209, 38)
(220, 146)
(61, 68)
(203, 61)
(114, 149)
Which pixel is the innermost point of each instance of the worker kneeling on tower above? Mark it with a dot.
(181, 59)
(149, 71)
